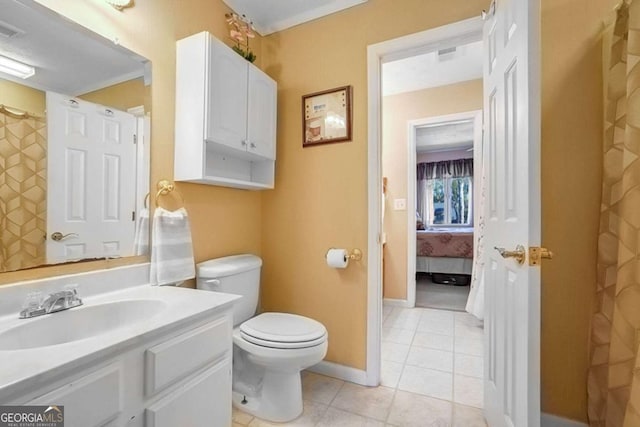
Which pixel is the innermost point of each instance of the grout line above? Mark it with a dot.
(337, 393)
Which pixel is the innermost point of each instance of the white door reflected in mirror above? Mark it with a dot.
(96, 210)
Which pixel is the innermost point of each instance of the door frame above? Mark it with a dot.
(412, 197)
(433, 39)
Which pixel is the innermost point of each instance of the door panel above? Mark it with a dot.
(511, 152)
(90, 176)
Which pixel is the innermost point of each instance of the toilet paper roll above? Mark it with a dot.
(337, 258)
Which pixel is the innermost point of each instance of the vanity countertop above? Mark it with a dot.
(27, 368)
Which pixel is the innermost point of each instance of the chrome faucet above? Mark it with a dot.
(57, 301)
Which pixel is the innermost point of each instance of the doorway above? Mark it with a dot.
(444, 176)
(438, 39)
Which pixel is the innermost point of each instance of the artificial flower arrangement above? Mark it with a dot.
(240, 31)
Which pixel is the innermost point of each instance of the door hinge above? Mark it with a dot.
(133, 215)
(135, 138)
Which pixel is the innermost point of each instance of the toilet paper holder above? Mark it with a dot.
(354, 255)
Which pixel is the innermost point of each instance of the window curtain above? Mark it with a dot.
(614, 374)
(426, 172)
(475, 300)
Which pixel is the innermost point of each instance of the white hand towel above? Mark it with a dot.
(141, 238)
(172, 249)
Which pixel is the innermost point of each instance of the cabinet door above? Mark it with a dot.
(261, 133)
(227, 97)
(203, 402)
(90, 401)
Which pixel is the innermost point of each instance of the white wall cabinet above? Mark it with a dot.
(225, 117)
(180, 379)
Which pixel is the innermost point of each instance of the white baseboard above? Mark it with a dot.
(396, 302)
(341, 372)
(548, 420)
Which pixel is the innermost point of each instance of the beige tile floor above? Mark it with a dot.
(431, 376)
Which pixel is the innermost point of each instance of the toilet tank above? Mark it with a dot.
(237, 274)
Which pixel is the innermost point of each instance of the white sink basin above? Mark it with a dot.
(78, 323)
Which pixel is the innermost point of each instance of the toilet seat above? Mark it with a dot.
(283, 331)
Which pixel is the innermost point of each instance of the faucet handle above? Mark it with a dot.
(71, 295)
(71, 289)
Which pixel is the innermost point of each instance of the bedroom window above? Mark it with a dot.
(451, 201)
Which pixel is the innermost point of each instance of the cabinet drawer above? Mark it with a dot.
(90, 401)
(204, 401)
(176, 358)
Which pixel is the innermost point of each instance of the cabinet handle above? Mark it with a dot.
(244, 142)
(253, 145)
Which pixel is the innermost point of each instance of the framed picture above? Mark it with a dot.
(326, 116)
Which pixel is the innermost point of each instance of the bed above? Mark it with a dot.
(444, 250)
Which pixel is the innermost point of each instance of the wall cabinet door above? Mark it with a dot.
(262, 106)
(227, 97)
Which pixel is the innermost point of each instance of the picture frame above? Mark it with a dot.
(326, 116)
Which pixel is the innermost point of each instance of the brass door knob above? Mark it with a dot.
(57, 236)
(519, 254)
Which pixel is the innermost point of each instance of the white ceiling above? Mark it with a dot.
(269, 16)
(432, 69)
(445, 136)
(68, 58)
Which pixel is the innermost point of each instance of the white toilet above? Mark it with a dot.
(270, 349)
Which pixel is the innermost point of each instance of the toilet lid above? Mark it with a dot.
(283, 330)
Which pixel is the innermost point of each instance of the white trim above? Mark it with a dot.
(548, 420)
(402, 47)
(374, 197)
(268, 27)
(342, 372)
(412, 208)
(397, 302)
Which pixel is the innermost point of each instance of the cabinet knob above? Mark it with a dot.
(244, 142)
(253, 145)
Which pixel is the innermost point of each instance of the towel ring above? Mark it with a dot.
(165, 187)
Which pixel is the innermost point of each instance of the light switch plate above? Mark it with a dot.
(399, 204)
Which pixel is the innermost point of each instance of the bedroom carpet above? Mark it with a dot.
(443, 297)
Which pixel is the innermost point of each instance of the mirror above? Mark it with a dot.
(74, 142)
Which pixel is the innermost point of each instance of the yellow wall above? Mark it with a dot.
(396, 111)
(320, 196)
(320, 199)
(571, 183)
(23, 98)
(121, 96)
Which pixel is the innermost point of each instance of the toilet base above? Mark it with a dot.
(279, 400)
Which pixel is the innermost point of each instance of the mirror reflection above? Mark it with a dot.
(74, 141)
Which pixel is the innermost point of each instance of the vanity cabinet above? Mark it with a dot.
(225, 117)
(182, 378)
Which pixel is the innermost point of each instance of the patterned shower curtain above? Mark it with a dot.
(23, 189)
(614, 375)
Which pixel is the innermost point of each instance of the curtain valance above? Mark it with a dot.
(446, 169)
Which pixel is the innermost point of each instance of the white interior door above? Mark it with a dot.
(512, 212)
(90, 179)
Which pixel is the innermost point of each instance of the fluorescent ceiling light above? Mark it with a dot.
(15, 68)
